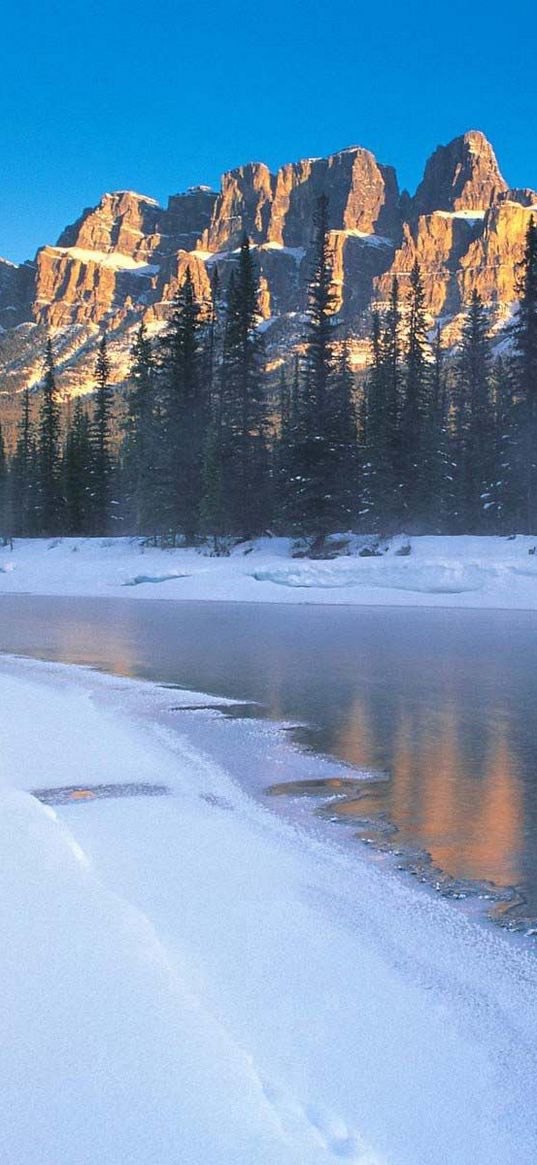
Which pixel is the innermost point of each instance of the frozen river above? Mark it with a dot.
(443, 703)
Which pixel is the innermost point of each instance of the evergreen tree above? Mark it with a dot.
(283, 455)
(213, 341)
(381, 494)
(101, 438)
(142, 454)
(417, 454)
(78, 473)
(476, 421)
(5, 516)
(443, 508)
(393, 391)
(186, 412)
(243, 432)
(23, 485)
(212, 509)
(23, 477)
(344, 445)
(505, 495)
(49, 498)
(525, 381)
(314, 463)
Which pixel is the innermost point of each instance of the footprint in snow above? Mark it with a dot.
(335, 1134)
(328, 1129)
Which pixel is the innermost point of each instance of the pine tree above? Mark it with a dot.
(186, 412)
(476, 421)
(49, 498)
(343, 445)
(392, 377)
(525, 381)
(78, 475)
(142, 466)
(505, 495)
(243, 444)
(415, 416)
(213, 341)
(283, 455)
(5, 515)
(314, 465)
(23, 477)
(443, 508)
(212, 510)
(381, 494)
(103, 465)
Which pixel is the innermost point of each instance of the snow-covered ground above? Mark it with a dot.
(187, 979)
(463, 571)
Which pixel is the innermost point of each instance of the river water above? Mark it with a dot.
(442, 703)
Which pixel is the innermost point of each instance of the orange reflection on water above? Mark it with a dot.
(76, 644)
(458, 797)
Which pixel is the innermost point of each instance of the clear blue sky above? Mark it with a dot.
(157, 96)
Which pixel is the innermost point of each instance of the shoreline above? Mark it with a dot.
(443, 573)
(275, 934)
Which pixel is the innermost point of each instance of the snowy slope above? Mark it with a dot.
(464, 571)
(186, 979)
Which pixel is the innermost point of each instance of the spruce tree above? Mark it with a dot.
(525, 381)
(443, 507)
(476, 421)
(49, 497)
(5, 517)
(142, 468)
(243, 443)
(505, 495)
(283, 455)
(102, 441)
(392, 393)
(381, 492)
(212, 508)
(24, 478)
(315, 467)
(78, 473)
(186, 412)
(343, 444)
(416, 451)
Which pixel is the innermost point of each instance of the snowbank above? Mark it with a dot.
(438, 572)
(189, 980)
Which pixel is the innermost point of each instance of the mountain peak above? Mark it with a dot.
(463, 175)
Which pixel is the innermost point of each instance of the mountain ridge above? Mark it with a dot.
(124, 259)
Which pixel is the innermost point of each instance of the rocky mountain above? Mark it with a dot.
(124, 259)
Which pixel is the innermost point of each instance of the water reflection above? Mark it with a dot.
(455, 794)
(444, 701)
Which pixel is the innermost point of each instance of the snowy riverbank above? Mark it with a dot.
(486, 572)
(188, 979)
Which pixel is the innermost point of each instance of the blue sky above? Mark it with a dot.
(159, 96)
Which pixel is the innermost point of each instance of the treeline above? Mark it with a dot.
(210, 446)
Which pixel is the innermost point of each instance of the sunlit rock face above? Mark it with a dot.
(492, 263)
(438, 243)
(363, 196)
(123, 222)
(243, 205)
(124, 260)
(463, 175)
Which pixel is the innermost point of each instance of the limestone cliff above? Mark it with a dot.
(124, 259)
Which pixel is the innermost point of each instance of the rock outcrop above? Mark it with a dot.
(461, 176)
(126, 258)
